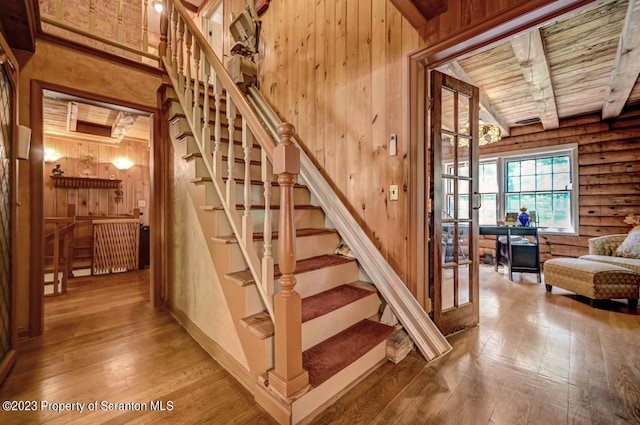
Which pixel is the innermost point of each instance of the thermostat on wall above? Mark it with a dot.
(142, 203)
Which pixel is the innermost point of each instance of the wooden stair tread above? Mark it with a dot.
(259, 182)
(259, 207)
(261, 325)
(316, 263)
(331, 300)
(326, 359)
(300, 233)
(243, 278)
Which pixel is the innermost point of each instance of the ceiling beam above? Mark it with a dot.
(488, 113)
(529, 51)
(627, 64)
(431, 8)
(72, 116)
(411, 13)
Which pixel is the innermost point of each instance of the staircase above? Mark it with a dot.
(308, 320)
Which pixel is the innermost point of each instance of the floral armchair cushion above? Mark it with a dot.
(630, 247)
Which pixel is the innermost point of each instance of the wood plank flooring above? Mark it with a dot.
(536, 358)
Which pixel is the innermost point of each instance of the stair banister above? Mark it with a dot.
(425, 334)
(285, 309)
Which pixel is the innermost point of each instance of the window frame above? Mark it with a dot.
(567, 149)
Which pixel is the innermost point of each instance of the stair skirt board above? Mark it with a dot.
(326, 359)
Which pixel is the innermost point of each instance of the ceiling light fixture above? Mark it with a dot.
(487, 134)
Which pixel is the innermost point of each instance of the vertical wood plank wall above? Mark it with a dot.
(135, 180)
(338, 70)
(609, 173)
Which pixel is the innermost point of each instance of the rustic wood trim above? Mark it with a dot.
(11, 67)
(36, 158)
(627, 64)
(530, 54)
(36, 195)
(98, 53)
(411, 13)
(85, 182)
(496, 28)
(489, 31)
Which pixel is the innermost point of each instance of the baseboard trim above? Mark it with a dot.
(219, 354)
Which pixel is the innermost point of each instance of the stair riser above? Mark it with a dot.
(303, 219)
(307, 247)
(203, 193)
(316, 281)
(317, 330)
(325, 393)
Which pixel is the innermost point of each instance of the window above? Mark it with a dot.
(541, 184)
(489, 191)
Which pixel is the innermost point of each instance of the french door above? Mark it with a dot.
(453, 267)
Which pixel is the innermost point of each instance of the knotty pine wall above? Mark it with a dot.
(97, 202)
(338, 70)
(609, 172)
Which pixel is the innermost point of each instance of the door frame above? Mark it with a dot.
(12, 70)
(36, 160)
(490, 31)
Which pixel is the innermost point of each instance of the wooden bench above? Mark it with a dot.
(597, 281)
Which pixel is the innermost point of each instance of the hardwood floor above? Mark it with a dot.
(536, 358)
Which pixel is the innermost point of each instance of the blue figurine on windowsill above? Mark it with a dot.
(523, 217)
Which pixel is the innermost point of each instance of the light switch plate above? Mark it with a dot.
(393, 145)
(393, 192)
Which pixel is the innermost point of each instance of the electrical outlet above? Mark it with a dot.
(393, 192)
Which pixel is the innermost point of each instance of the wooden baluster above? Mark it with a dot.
(288, 377)
(145, 26)
(267, 260)
(164, 48)
(206, 111)
(197, 112)
(231, 183)
(56, 257)
(121, 21)
(247, 219)
(174, 40)
(217, 132)
(188, 91)
(92, 16)
(180, 52)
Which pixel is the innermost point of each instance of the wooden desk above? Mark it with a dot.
(519, 257)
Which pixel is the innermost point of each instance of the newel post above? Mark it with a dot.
(288, 377)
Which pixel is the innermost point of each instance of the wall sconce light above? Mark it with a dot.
(51, 155)
(122, 164)
(157, 5)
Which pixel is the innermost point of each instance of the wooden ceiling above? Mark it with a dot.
(73, 118)
(586, 63)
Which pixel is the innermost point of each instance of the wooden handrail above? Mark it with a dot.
(189, 61)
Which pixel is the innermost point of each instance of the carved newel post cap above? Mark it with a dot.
(286, 156)
(286, 130)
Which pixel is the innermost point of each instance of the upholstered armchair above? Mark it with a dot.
(605, 245)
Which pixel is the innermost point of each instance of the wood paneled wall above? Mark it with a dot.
(98, 202)
(338, 71)
(609, 172)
